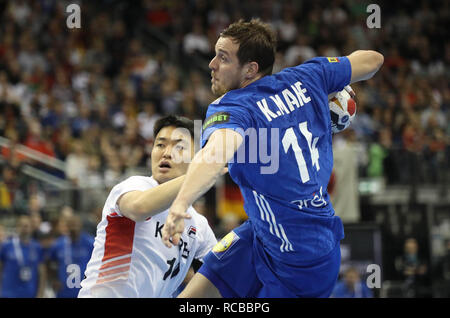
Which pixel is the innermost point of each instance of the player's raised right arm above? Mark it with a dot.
(365, 63)
(139, 205)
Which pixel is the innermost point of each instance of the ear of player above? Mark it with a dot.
(342, 109)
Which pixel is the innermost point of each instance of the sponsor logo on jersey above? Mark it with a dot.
(317, 201)
(192, 231)
(333, 59)
(223, 245)
(216, 118)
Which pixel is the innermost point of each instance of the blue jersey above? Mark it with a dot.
(67, 253)
(14, 283)
(341, 290)
(284, 165)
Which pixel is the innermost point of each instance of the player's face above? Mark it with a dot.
(24, 228)
(172, 152)
(226, 71)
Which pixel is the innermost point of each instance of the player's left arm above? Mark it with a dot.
(202, 173)
(364, 64)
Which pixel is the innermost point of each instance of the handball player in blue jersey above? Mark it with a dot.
(274, 131)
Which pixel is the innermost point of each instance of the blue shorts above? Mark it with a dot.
(239, 267)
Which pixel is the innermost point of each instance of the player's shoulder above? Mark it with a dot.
(234, 98)
(233, 105)
(146, 179)
(137, 180)
(306, 67)
(318, 63)
(226, 110)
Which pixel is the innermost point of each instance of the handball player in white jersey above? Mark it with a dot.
(129, 259)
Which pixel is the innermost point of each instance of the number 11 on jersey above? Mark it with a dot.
(290, 140)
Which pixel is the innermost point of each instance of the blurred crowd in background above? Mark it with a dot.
(90, 96)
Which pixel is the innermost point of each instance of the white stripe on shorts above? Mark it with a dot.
(267, 215)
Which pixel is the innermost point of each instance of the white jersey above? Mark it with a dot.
(129, 258)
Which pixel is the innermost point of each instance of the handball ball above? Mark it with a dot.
(342, 110)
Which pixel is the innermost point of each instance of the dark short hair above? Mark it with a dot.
(257, 43)
(175, 121)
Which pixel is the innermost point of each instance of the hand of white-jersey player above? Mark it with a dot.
(174, 226)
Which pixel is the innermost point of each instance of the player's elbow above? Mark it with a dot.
(211, 154)
(365, 64)
(133, 210)
(377, 59)
(371, 61)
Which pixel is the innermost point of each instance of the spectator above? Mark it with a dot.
(20, 11)
(81, 122)
(413, 269)
(147, 119)
(12, 153)
(5, 194)
(12, 190)
(62, 140)
(68, 257)
(94, 184)
(59, 227)
(92, 220)
(77, 163)
(40, 229)
(94, 177)
(334, 14)
(351, 286)
(2, 234)
(21, 261)
(345, 196)
(113, 172)
(36, 139)
(378, 152)
(132, 148)
(202, 92)
(300, 52)
(171, 94)
(287, 28)
(218, 18)
(196, 40)
(29, 57)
